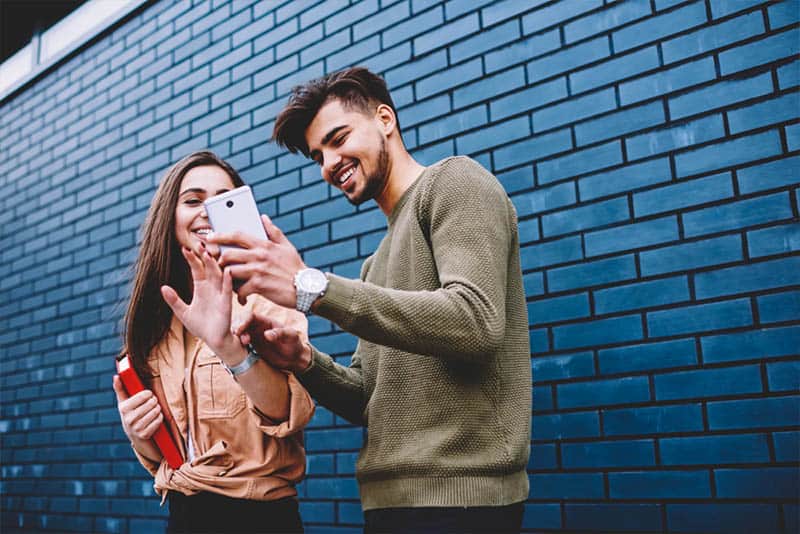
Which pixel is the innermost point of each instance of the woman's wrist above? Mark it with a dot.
(233, 353)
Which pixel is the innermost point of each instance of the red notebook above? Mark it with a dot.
(162, 437)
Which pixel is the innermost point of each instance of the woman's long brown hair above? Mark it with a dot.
(148, 318)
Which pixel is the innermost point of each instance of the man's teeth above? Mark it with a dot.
(343, 178)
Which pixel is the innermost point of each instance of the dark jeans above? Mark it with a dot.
(209, 512)
(484, 519)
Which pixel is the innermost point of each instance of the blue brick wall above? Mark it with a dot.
(650, 147)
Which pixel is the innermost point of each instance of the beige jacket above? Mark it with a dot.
(239, 452)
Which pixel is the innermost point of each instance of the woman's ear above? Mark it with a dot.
(386, 118)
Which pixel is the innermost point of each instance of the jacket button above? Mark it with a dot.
(222, 473)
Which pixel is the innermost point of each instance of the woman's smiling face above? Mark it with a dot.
(191, 220)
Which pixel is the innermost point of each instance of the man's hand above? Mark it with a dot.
(281, 346)
(266, 267)
(209, 315)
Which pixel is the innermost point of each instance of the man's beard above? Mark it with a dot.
(376, 180)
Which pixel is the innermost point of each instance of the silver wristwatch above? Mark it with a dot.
(310, 284)
(249, 361)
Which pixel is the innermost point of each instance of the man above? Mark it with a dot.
(441, 376)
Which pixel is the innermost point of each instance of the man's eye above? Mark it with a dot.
(339, 140)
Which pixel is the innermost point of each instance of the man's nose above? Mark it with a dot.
(332, 162)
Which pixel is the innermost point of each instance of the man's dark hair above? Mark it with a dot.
(356, 87)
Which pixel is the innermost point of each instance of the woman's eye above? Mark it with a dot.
(192, 201)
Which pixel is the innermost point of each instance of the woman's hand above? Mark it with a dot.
(281, 346)
(209, 315)
(140, 414)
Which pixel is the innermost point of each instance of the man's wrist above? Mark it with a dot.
(305, 360)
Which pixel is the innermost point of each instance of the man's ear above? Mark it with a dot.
(386, 118)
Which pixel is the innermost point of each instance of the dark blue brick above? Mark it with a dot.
(337, 488)
(399, 27)
(350, 512)
(618, 123)
(728, 153)
(542, 516)
(784, 376)
(772, 48)
(336, 343)
(449, 78)
(684, 194)
(553, 14)
(746, 278)
(753, 413)
(700, 318)
(636, 453)
(455, 123)
(726, 449)
(719, 95)
(539, 341)
(770, 175)
(738, 214)
(603, 392)
(653, 420)
(543, 457)
(579, 162)
(641, 295)
(712, 37)
(789, 75)
(691, 256)
(793, 137)
(551, 253)
(585, 217)
(787, 446)
(542, 399)
(631, 236)
(675, 137)
(764, 113)
(666, 81)
(566, 486)
(659, 26)
(615, 69)
(659, 485)
(624, 179)
(453, 31)
(779, 307)
(723, 518)
(574, 110)
(783, 13)
(611, 17)
(333, 439)
(489, 87)
(522, 51)
(566, 425)
(567, 59)
(598, 332)
(760, 483)
(489, 137)
(708, 383)
(536, 147)
(723, 8)
(533, 283)
(592, 273)
(791, 517)
(416, 69)
(613, 517)
(575, 365)
(317, 512)
(558, 309)
(663, 355)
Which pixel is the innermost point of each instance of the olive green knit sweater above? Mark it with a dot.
(441, 376)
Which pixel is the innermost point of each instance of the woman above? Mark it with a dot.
(239, 432)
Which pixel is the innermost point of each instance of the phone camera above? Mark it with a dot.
(229, 203)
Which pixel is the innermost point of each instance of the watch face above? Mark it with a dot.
(313, 280)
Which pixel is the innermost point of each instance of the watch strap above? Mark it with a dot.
(248, 362)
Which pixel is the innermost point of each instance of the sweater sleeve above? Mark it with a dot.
(335, 386)
(471, 227)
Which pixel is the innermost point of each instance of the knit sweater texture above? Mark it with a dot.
(441, 376)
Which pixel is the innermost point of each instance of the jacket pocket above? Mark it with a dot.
(218, 394)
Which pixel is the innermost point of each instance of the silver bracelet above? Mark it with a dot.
(249, 361)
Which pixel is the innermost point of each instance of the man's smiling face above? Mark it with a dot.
(350, 149)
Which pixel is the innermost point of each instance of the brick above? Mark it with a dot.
(690, 256)
(708, 383)
(726, 449)
(448, 78)
(770, 175)
(663, 355)
(311, 53)
(642, 295)
(659, 26)
(631, 236)
(618, 123)
(700, 318)
(542, 399)
(551, 253)
(629, 177)
(558, 309)
(666, 81)
(659, 484)
(720, 94)
(354, 54)
(456, 8)
(753, 413)
(792, 137)
(573, 110)
(746, 278)
(385, 18)
(554, 14)
(614, 69)
(337, 488)
(787, 446)
(603, 392)
(779, 307)
(544, 199)
(452, 31)
(784, 376)
(585, 217)
(533, 284)
(683, 195)
(761, 482)
(565, 425)
(429, 109)
(653, 420)
(579, 162)
(723, 8)
(783, 14)
(526, 99)
(538, 146)
(489, 87)
(598, 332)
(522, 51)
(609, 18)
(728, 153)
(675, 137)
(789, 75)
(712, 37)
(634, 453)
(613, 517)
(772, 111)
(567, 59)
(564, 366)
(566, 486)
(591, 273)
(767, 50)
(756, 344)
(723, 518)
(492, 136)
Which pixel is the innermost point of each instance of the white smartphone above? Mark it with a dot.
(235, 211)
